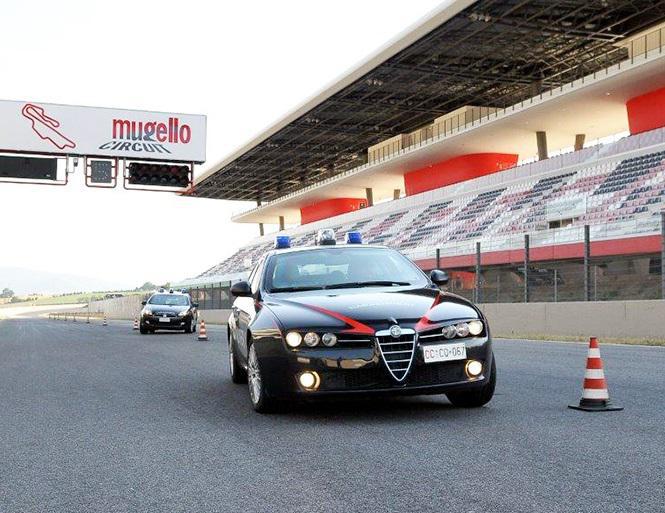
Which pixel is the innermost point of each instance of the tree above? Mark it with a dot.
(147, 286)
(7, 292)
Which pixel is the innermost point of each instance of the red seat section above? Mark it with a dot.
(455, 170)
(330, 208)
(646, 112)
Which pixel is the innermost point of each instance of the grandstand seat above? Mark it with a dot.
(623, 189)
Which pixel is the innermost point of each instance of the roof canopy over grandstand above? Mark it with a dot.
(490, 53)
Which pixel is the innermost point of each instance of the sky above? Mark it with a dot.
(243, 64)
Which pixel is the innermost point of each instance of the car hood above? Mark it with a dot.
(365, 310)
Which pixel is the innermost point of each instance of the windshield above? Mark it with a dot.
(331, 268)
(169, 300)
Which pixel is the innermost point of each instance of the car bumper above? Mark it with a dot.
(361, 371)
(174, 323)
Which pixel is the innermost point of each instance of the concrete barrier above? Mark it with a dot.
(128, 307)
(613, 319)
(215, 316)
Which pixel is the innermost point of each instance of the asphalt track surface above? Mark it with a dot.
(102, 419)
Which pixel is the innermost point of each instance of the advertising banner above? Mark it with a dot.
(74, 130)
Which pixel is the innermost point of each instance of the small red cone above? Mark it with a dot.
(136, 324)
(104, 322)
(595, 396)
(203, 334)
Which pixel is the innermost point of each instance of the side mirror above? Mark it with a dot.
(144, 303)
(195, 305)
(439, 277)
(241, 289)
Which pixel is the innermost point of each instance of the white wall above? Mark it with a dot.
(612, 319)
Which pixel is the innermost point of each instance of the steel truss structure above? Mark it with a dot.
(494, 53)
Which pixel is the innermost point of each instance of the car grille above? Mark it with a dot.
(397, 352)
(433, 336)
(348, 340)
(164, 314)
(419, 375)
(366, 378)
(437, 373)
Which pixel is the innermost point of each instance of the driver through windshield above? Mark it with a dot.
(330, 268)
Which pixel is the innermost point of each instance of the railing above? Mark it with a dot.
(589, 278)
(212, 296)
(640, 49)
(540, 238)
(75, 316)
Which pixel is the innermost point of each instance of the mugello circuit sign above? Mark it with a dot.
(72, 130)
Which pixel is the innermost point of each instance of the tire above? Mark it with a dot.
(143, 330)
(188, 327)
(476, 398)
(238, 374)
(256, 385)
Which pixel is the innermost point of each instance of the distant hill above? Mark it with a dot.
(26, 281)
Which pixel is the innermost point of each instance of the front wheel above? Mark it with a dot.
(188, 327)
(478, 397)
(143, 330)
(257, 390)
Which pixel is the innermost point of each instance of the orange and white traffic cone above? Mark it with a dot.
(203, 334)
(136, 324)
(105, 322)
(595, 396)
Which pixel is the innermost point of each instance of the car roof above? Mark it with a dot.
(170, 292)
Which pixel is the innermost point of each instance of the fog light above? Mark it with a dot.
(309, 380)
(473, 368)
(293, 338)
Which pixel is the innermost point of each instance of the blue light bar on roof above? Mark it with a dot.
(354, 238)
(282, 242)
(326, 237)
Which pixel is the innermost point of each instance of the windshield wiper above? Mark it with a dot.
(358, 284)
(293, 289)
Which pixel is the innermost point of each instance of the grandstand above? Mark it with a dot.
(472, 189)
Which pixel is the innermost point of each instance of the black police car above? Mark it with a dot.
(169, 311)
(352, 319)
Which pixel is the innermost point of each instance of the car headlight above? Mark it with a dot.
(462, 329)
(475, 327)
(183, 313)
(147, 312)
(449, 331)
(311, 339)
(329, 339)
(293, 339)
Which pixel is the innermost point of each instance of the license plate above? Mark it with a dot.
(444, 352)
(164, 319)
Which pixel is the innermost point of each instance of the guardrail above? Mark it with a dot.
(75, 316)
